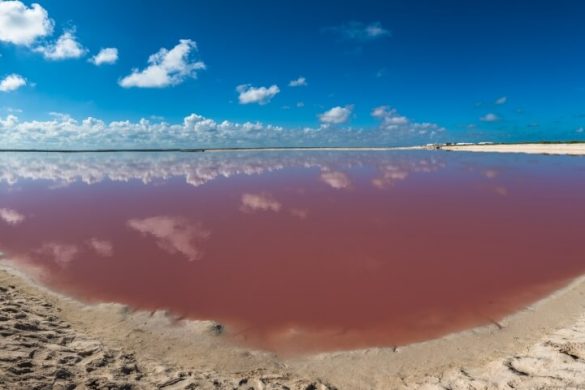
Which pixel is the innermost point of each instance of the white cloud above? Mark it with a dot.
(336, 115)
(173, 234)
(580, 130)
(502, 100)
(108, 56)
(358, 31)
(259, 202)
(65, 47)
(389, 116)
(490, 117)
(12, 82)
(391, 122)
(197, 131)
(300, 82)
(262, 95)
(166, 67)
(21, 25)
(11, 217)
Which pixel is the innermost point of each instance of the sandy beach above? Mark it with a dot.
(572, 149)
(51, 341)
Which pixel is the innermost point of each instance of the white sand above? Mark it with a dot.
(567, 149)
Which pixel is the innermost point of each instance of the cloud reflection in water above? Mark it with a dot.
(173, 234)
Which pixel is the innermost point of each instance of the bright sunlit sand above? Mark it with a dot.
(573, 149)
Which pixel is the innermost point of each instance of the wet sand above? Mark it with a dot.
(51, 340)
(48, 341)
(576, 149)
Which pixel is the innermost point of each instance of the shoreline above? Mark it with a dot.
(156, 338)
(570, 149)
(48, 340)
(573, 148)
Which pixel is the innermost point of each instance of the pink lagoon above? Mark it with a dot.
(299, 252)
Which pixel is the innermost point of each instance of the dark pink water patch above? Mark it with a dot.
(306, 251)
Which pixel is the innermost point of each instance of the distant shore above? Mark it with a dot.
(572, 149)
(210, 150)
(575, 148)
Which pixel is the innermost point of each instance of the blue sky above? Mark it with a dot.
(383, 72)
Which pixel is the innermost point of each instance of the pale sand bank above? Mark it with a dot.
(50, 341)
(577, 149)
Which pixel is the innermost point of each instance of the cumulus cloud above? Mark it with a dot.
(166, 67)
(357, 31)
(262, 95)
(173, 234)
(11, 217)
(196, 131)
(259, 202)
(65, 47)
(490, 117)
(502, 100)
(21, 25)
(389, 116)
(12, 82)
(391, 122)
(336, 115)
(300, 82)
(108, 56)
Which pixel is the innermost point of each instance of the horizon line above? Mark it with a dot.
(202, 150)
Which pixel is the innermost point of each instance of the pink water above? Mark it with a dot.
(305, 251)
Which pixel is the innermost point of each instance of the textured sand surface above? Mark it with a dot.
(39, 350)
(51, 342)
(556, 362)
(568, 149)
